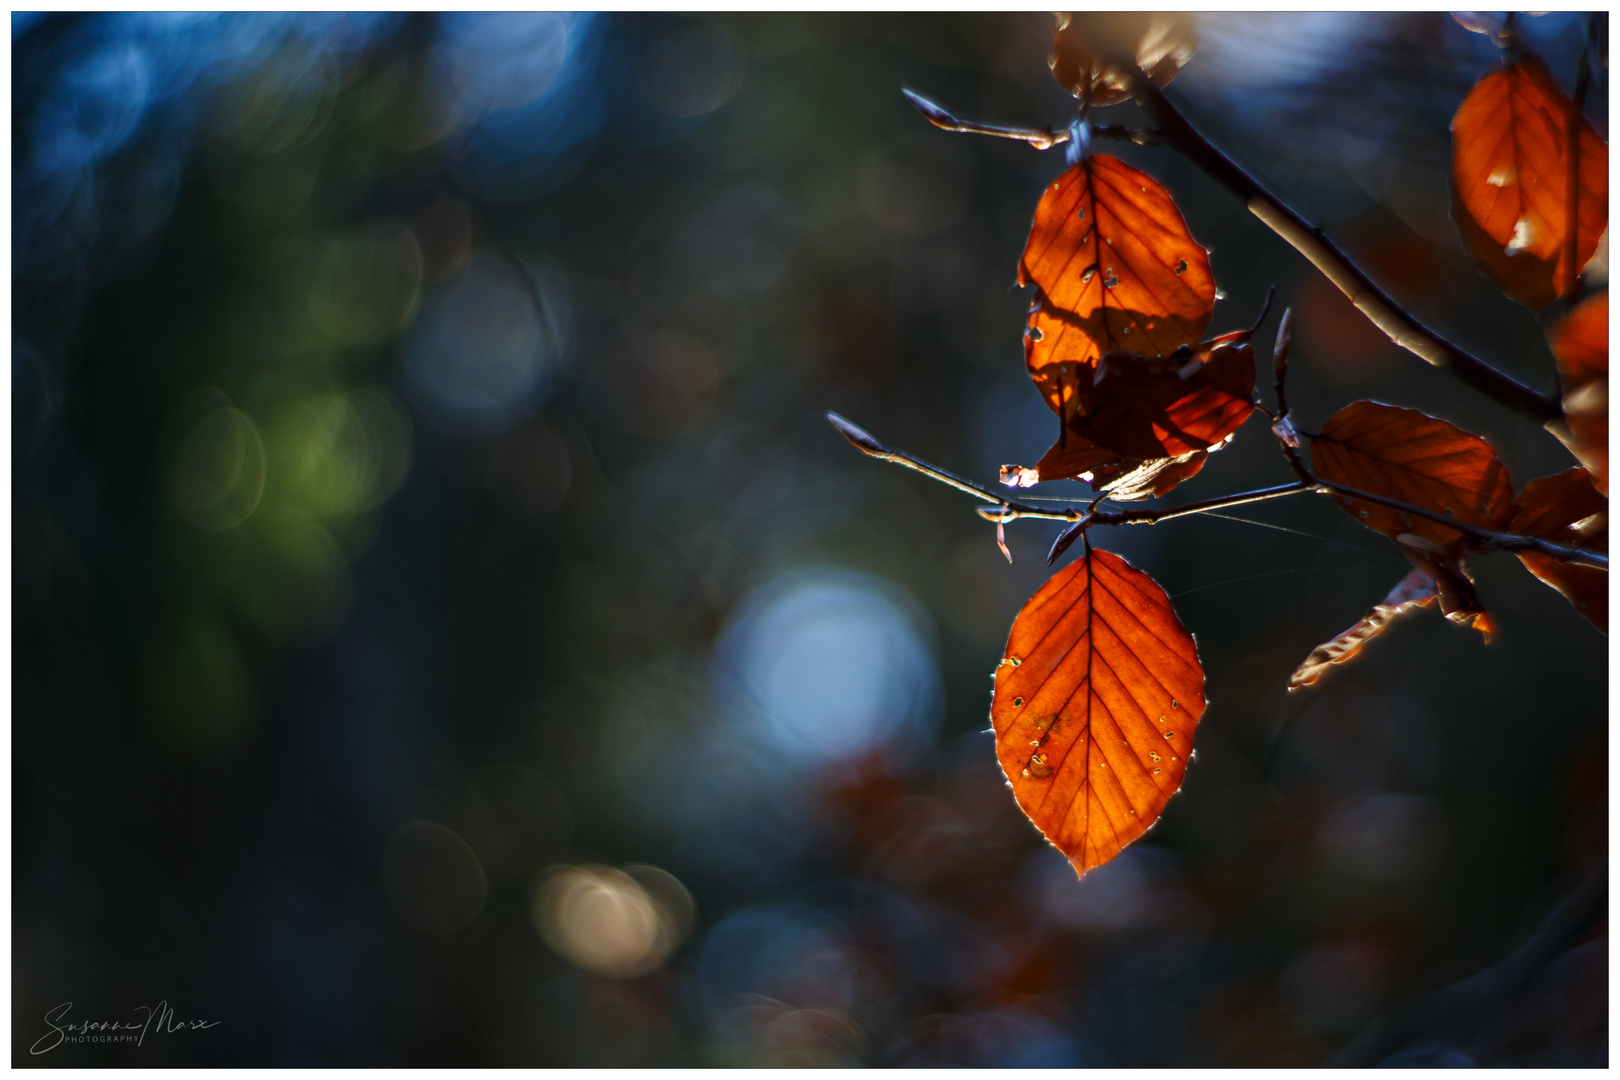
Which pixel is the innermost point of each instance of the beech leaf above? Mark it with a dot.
(1580, 344)
(1406, 455)
(1459, 602)
(1417, 589)
(1114, 267)
(1510, 176)
(1567, 509)
(1144, 425)
(1189, 400)
(1096, 701)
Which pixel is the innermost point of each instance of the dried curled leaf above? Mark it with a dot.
(1567, 509)
(1580, 344)
(1160, 43)
(1406, 455)
(1096, 701)
(1120, 478)
(1114, 267)
(1510, 173)
(1455, 585)
(1139, 426)
(1416, 590)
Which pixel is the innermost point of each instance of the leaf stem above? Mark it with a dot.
(1312, 242)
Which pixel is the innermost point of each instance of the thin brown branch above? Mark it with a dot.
(1002, 510)
(1484, 538)
(1039, 138)
(1282, 425)
(1152, 516)
(1279, 359)
(1395, 321)
(1283, 429)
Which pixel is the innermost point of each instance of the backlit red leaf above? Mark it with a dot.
(1567, 509)
(1114, 267)
(1406, 455)
(1143, 425)
(1096, 701)
(1171, 406)
(1415, 590)
(1580, 343)
(1510, 172)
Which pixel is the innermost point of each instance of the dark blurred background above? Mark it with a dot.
(447, 632)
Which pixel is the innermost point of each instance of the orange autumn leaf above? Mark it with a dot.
(1114, 267)
(1144, 425)
(1406, 455)
(1095, 705)
(1566, 508)
(1416, 590)
(1189, 400)
(1580, 344)
(1510, 174)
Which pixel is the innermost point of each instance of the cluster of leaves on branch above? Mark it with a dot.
(1100, 690)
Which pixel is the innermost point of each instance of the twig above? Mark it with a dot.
(1485, 538)
(1282, 425)
(1312, 242)
(1279, 359)
(1496, 983)
(1009, 509)
(1002, 510)
(1039, 138)
(1149, 516)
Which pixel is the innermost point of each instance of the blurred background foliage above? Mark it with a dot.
(446, 630)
